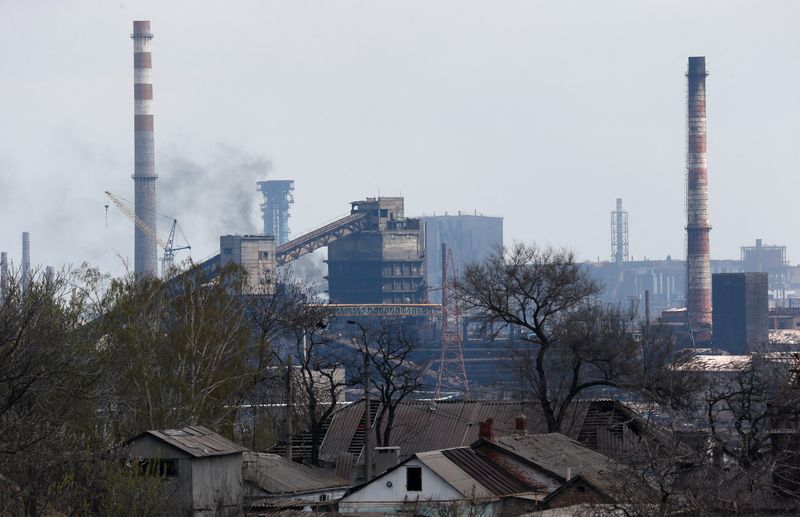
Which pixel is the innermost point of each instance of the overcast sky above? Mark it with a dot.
(540, 112)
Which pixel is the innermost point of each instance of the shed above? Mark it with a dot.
(203, 469)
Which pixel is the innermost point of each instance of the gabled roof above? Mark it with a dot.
(472, 475)
(196, 441)
(496, 479)
(567, 460)
(427, 425)
(277, 475)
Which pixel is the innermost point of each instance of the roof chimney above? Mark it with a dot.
(521, 423)
(486, 430)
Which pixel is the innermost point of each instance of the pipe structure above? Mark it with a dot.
(698, 249)
(26, 261)
(145, 259)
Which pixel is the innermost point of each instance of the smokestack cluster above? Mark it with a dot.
(698, 256)
(145, 261)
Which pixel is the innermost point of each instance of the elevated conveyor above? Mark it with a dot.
(320, 237)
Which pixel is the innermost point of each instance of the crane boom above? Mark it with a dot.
(138, 222)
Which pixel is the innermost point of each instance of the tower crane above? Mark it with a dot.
(169, 248)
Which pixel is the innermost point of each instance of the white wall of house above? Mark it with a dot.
(388, 492)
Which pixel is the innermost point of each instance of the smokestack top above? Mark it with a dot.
(697, 65)
(142, 28)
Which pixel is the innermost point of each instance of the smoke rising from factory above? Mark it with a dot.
(212, 194)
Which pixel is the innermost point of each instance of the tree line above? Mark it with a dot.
(88, 361)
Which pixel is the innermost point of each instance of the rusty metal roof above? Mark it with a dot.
(197, 441)
(277, 475)
(496, 479)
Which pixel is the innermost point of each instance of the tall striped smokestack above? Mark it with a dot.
(145, 259)
(26, 261)
(698, 257)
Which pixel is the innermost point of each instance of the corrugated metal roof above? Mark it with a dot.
(198, 441)
(566, 458)
(487, 473)
(278, 475)
(454, 475)
(427, 426)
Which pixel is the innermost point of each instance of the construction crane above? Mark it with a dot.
(169, 248)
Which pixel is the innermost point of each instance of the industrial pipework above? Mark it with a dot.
(145, 261)
(698, 256)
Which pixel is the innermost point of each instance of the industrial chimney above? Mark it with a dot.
(698, 257)
(145, 259)
(277, 198)
(3, 275)
(26, 261)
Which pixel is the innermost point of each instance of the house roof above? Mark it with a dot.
(568, 459)
(556, 453)
(278, 475)
(426, 426)
(473, 476)
(496, 479)
(196, 441)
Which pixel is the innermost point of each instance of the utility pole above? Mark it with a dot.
(289, 408)
(367, 402)
(368, 410)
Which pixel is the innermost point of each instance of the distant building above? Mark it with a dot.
(202, 470)
(256, 254)
(472, 238)
(384, 262)
(741, 311)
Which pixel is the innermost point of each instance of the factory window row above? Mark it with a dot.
(402, 269)
(405, 284)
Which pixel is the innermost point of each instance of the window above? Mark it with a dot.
(264, 255)
(159, 468)
(414, 479)
(323, 497)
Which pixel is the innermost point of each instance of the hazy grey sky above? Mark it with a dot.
(541, 112)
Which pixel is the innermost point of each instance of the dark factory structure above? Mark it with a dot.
(741, 312)
(382, 263)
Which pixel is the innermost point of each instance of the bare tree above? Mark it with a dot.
(316, 368)
(389, 349)
(569, 344)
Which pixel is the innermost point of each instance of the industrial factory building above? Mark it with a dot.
(384, 262)
(741, 320)
(470, 237)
